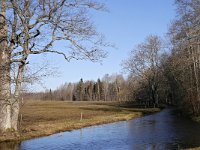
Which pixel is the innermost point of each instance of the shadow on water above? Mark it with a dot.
(163, 130)
(9, 146)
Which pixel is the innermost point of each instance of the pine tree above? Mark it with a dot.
(101, 90)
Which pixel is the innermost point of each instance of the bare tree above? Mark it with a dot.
(184, 34)
(31, 27)
(143, 64)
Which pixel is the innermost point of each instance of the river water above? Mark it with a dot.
(159, 131)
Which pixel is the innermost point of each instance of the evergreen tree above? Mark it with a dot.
(101, 90)
(80, 90)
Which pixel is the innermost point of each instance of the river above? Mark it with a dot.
(159, 131)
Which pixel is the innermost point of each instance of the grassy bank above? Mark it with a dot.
(41, 118)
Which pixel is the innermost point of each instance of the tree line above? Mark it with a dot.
(183, 65)
(109, 88)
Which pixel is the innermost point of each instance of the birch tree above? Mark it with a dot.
(32, 27)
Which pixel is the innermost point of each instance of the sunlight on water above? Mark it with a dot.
(163, 130)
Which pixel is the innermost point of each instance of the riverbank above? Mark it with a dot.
(42, 118)
(196, 119)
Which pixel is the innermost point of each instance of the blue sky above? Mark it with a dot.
(127, 23)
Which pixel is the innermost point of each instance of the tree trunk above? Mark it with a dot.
(5, 102)
(15, 100)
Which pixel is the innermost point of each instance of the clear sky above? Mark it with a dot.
(126, 24)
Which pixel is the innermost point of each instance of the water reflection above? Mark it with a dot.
(163, 130)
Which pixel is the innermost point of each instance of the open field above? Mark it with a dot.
(40, 118)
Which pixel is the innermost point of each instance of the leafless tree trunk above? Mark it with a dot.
(5, 101)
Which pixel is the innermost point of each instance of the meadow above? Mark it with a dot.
(41, 118)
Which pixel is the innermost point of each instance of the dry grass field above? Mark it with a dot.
(40, 118)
